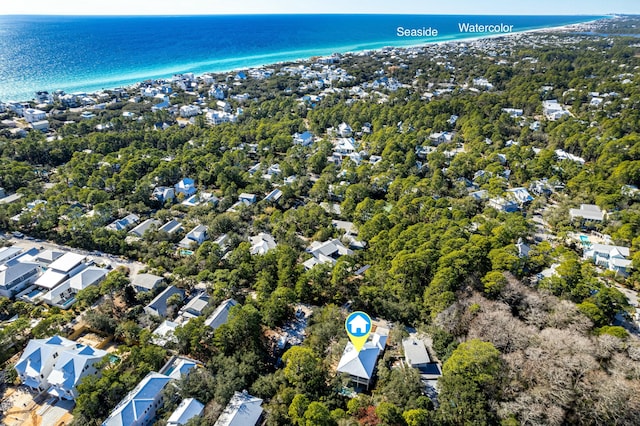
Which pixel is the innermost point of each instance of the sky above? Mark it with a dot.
(213, 7)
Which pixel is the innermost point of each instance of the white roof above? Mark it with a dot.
(144, 226)
(50, 279)
(362, 364)
(262, 243)
(148, 281)
(70, 366)
(221, 314)
(88, 277)
(14, 271)
(415, 351)
(588, 211)
(67, 262)
(328, 248)
(37, 353)
(164, 333)
(197, 303)
(610, 250)
(7, 253)
(242, 410)
(188, 409)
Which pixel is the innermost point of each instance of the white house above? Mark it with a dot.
(73, 364)
(195, 307)
(63, 296)
(247, 199)
(186, 186)
(32, 115)
(140, 230)
(123, 223)
(304, 139)
(61, 269)
(16, 277)
(171, 227)
(552, 110)
(188, 409)
(164, 333)
(360, 365)
(163, 193)
(198, 199)
(197, 236)
(441, 137)
(242, 410)
(614, 258)
(221, 314)
(344, 130)
(274, 195)
(344, 146)
(41, 125)
(587, 212)
(504, 205)
(415, 353)
(37, 360)
(262, 243)
(146, 282)
(187, 111)
(520, 195)
(57, 365)
(326, 252)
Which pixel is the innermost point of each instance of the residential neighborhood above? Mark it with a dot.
(187, 249)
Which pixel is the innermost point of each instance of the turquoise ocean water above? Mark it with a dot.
(93, 53)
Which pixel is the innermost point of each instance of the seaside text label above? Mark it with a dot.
(466, 27)
(416, 32)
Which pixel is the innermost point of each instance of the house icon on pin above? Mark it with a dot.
(358, 325)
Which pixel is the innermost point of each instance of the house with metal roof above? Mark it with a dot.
(242, 410)
(8, 253)
(16, 277)
(197, 236)
(143, 227)
(326, 252)
(120, 224)
(188, 409)
(60, 270)
(57, 365)
(158, 306)
(415, 353)
(139, 407)
(146, 282)
(221, 314)
(37, 360)
(587, 213)
(163, 193)
(186, 186)
(70, 368)
(262, 243)
(614, 258)
(360, 365)
(195, 306)
(63, 296)
(164, 333)
(171, 227)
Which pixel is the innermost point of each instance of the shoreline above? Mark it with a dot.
(168, 72)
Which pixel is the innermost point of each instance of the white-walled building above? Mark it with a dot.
(57, 365)
(31, 115)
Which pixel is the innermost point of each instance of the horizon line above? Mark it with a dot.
(313, 13)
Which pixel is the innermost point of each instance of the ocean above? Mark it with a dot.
(85, 54)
